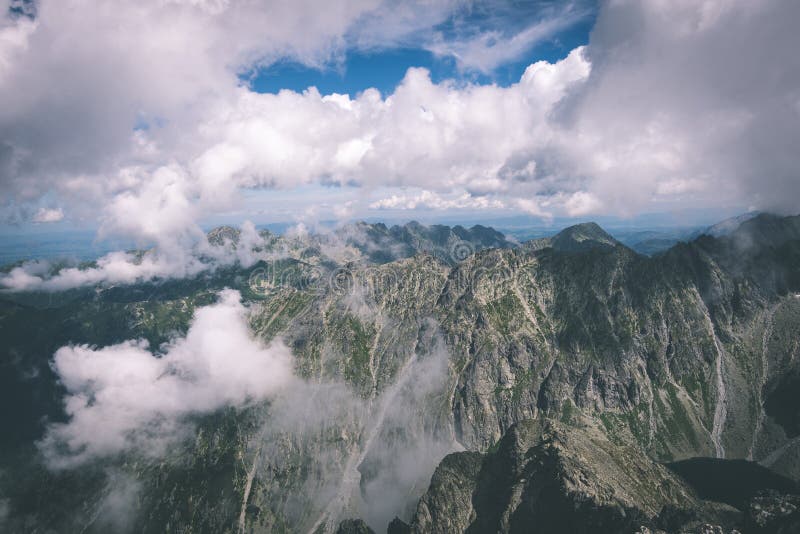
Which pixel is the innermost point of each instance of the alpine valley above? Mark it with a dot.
(440, 380)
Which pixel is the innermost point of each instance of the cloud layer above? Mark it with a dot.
(137, 106)
(124, 397)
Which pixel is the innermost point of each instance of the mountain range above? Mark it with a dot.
(444, 379)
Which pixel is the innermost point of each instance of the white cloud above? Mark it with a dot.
(76, 78)
(582, 203)
(667, 104)
(487, 50)
(430, 200)
(123, 396)
(680, 106)
(437, 137)
(48, 215)
(169, 259)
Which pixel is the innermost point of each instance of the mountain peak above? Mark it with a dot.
(576, 238)
(764, 230)
(730, 225)
(588, 231)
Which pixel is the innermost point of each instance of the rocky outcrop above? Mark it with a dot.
(670, 347)
(560, 478)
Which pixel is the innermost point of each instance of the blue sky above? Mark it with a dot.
(384, 67)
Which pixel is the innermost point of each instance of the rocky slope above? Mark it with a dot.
(576, 476)
(561, 477)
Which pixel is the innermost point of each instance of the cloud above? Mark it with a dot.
(113, 268)
(117, 508)
(485, 51)
(679, 108)
(171, 258)
(397, 442)
(438, 137)
(46, 215)
(90, 90)
(430, 200)
(665, 107)
(409, 441)
(125, 397)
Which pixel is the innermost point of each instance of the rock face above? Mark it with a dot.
(560, 478)
(693, 352)
(681, 348)
(577, 477)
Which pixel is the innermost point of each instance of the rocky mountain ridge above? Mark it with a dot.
(690, 353)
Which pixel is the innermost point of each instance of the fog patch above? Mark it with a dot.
(116, 510)
(410, 443)
(402, 434)
(5, 510)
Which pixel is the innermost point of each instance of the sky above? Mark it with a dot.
(147, 120)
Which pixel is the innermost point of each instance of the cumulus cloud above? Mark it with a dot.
(434, 136)
(679, 107)
(666, 106)
(91, 89)
(438, 137)
(124, 396)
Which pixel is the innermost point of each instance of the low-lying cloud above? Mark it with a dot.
(125, 397)
(385, 450)
(168, 259)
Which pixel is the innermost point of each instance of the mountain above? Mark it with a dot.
(573, 362)
(727, 226)
(576, 238)
(573, 475)
(381, 244)
(561, 478)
